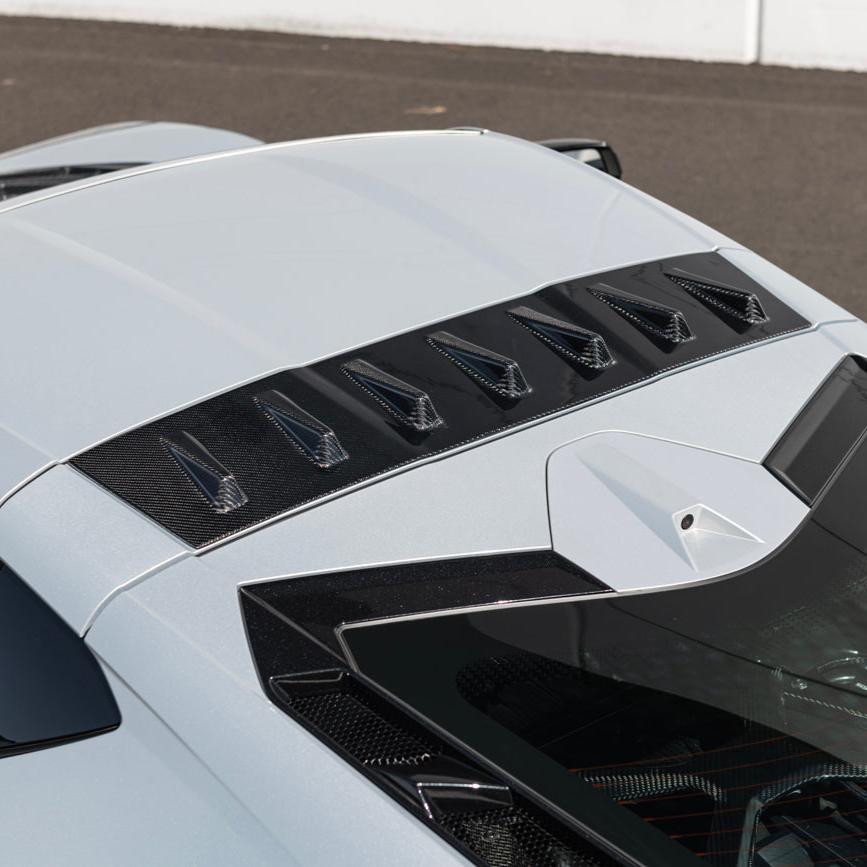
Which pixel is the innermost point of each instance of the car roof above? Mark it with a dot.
(149, 289)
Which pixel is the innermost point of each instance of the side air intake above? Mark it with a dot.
(571, 341)
(317, 442)
(492, 371)
(408, 405)
(214, 482)
(726, 301)
(474, 810)
(656, 320)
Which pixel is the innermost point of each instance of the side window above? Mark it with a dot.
(52, 689)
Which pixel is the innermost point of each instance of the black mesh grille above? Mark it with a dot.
(394, 749)
(511, 837)
(363, 733)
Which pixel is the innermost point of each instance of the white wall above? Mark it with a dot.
(830, 33)
(827, 33)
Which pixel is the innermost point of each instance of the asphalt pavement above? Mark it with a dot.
(773, 157)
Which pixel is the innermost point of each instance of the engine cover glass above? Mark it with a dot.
(723, 723)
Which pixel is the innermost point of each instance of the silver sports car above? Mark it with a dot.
(425, 498)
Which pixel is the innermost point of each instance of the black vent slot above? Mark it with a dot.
(213, 481)
(733, 305)
(658, 321)
(316, 441)
(336, 707)
(513, 837)
(825, 432)
(34, 180)
(474, 810)
(571, 341)
(410, 406)
(492, 371)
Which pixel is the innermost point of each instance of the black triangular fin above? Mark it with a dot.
(571, 341)
(410, 406)
(492, 371)
(664, 323)
(316, 441)
(214, 482)
(727, 302)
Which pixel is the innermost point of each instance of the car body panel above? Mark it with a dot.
(296, 786)
(607, 488)
(95, 545)
(91, 543)
(131, 142)
(463, 505)
(145, 291)
(193, 278)
(134, 796)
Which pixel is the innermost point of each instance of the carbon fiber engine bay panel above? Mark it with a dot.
(267, 447)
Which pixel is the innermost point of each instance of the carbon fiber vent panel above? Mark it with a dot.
(389, 421)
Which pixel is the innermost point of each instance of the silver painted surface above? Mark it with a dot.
(617, 502)
(154, 289)
(19, 461)
(133, 142)
(486, 499)
(74, 543)
(178, 634)
(136, 796)
(147, 291)
(317, 807)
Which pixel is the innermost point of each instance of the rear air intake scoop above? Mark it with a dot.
(426, 392)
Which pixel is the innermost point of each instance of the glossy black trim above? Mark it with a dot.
(384, 433)
(52, 689)
(826, 431)
(318, 605)
(35, 180)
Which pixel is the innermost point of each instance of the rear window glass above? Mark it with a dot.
(724, 723)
